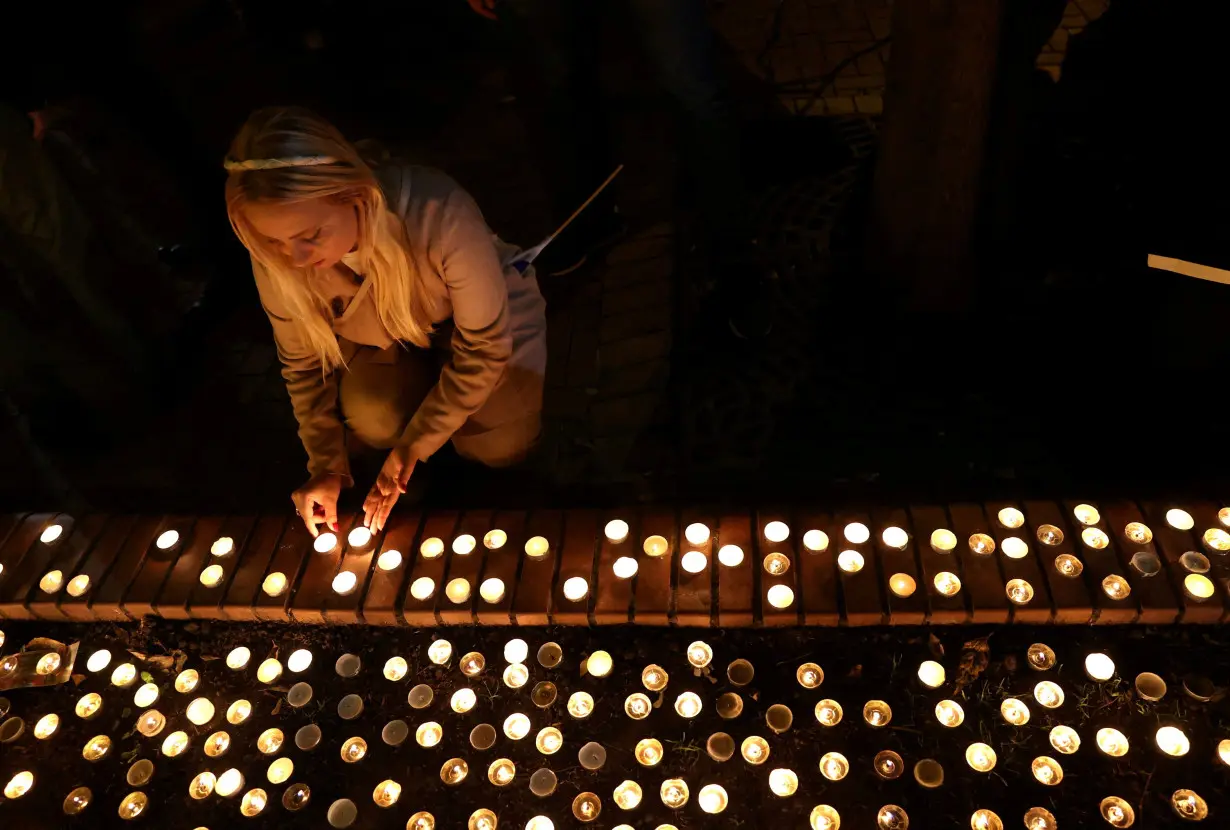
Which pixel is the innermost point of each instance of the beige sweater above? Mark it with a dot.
(498, 319)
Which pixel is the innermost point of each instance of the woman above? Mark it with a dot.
(392, 314)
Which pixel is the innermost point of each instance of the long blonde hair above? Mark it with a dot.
(289, 154)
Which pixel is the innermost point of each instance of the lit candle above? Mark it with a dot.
(1086, 514)
(694, 562)
(1039, 818)
(731, 556)
(222, 546)
(202, 785)
(269, 670)
(457, 590)
(134, 803)
(515, 676)
(297, 797)
(776, 563)
(542, 782)
(1117, 812)
(1223, 516)
(324, 543)
(51, 533)
(98, 661)
(1065, 740)
(834, 766)
(700, 654)
(395, 668)
(648, 752)
(428, 734)
(627, 795)
(146, 696)
(253, 802)
(1198, 587)
(712, 799)
(386, 793)
(850, 561)
(1116, 587)
(238, 712)
(270, 741)
(359, 537)
(985, 820)
(828, 712)
(949, 713)
(755, 750)
(599, 664)
(422, 588)
(96, 748)
(1014, 711)
(200, 711)
(464, 544)
(655, 546)
(124, 675)
(720, 747)
(491, 590)
(824, 817)
(779, 718)
(1068, 565)
(943, 540)
(981, 544)
(517, 725)
(439, 652)
(637, 706)
(888, 765)
(229, 783)
(1095, 538)
(167, 539)
(342, 813)
(1019, 591)
(454, 771)
(238, 658)
(217, 744)
(345, 583)
(1138, 532)
(616, 530)
(783, 782)
(929, 773)
(697, 533)
(76, 801)
(1172, 741)
(575, 588)
(592, 756)
(1099, 667)
(902, 585)
(1011, 518)
(1050, 535)
(354, 750)
(776, 531)
(654, 677)
(729, 706)
(780, 596)
(931, 674)
(19, 784)
(550, 655)
(46, 726)
(980, 757)
(274, 584)
(1112, 742)
(816, 541)
(212, 576)
(151, 723)
(389, 560)
(1040, 656)
(586, 807)
(947, 584)
(495, 539)
(688, 705)
(463, 700)
(675, 793)
(51, 582)
(1014, 547)
(877, 713)
(548, 740)
(892, 817)
(580, 705)
(1047, 770)
(536, 547)
(1048, 695)
(543, 694)
(625, 567)
(1188, 805)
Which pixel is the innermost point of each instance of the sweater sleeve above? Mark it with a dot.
(313, 394)
(463, 250)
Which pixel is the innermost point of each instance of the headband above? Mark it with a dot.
(271, 164)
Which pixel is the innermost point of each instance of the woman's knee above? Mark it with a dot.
(503, 446)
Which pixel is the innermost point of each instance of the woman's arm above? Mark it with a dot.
(463, 250)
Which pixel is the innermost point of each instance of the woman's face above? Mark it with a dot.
(314, 233)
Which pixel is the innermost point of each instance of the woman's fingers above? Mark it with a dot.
(386, 507)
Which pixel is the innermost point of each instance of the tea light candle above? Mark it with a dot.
(1117, 812)
(1223, 751)
(824, 817)
(98, 661)
(229, 783)
(648, 752)
(274, 584)
(1198, 586)
(439, 652)
(354, 750)
(654, 677)
(980, 757)
(325, 542)
(1019, 591)
(270, 741)
(1011, 518)
(730, 556)
(694, 562)
(463, 700)
(779, 718)
(536, 547)
(202, 785)
(464, 544)
(655, 546)
(894, 537)
(1086, 514)
(740, 672)
(985, 820)
(902, 585)
(776, 531)
(776, 564)
(238, 712)
(755, 750)
(599, 664)
(422, 588)
(76, 801)
(580, 705)
(51, 582)
(482, 737)
(550, 655)
(269, 670)
(350, 707)
(720, 747)
(389, 560)
(395, 668)
(697, 533)
(1068, 565)
(1095, 538)
(548, 740)
(888, 765)
(592, 756)
(877, 713)
(1112, 742)
(729, 706)
(542, 782)
(1014, 711)
(1138, 532)
(543, 694)
(700, 654)
(19, 784)
(96, 748)
(625, 567)
(1049, 535)
(299, 695)
(1099, 667)
(217, 744)
(457, 590)
(151, 723)
(616, 530)
(834, 766)
(947, 584)
(253, 802)
(1188, 805)
(586, 807)
(515, 676)
(146, 696)
(517, 725)
(783, 782)
(1171, 741)
(140, 773)
(575, 588)
(134, 803)
(296, 797)
(949, 713)
(342, 813)
(780, 596)
(931, 674)
(828, 712)
(280, 770)
(1223, 516)
(637, 706)
(943, 540)
(1048, 695)
(167, 539)
(712, 799)
(1047, 770)
(1064, 739)
(1039, 818)
(892, 817)
(212, 576)
(386, 793)
(809, 675)
(688, 705)
(200, 711)
(1116, 587)
(345, 583)
(124, 675)
(428, 734)
(981, 544)
(501, 772)
(359, 537)
(674, 792)
(491, 590)
(46, 726)
(850, 561)
(1040, 657)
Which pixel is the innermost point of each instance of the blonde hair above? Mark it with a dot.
(290, 154)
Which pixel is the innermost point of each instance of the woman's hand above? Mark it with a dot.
(391, 483)
(316, 501)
